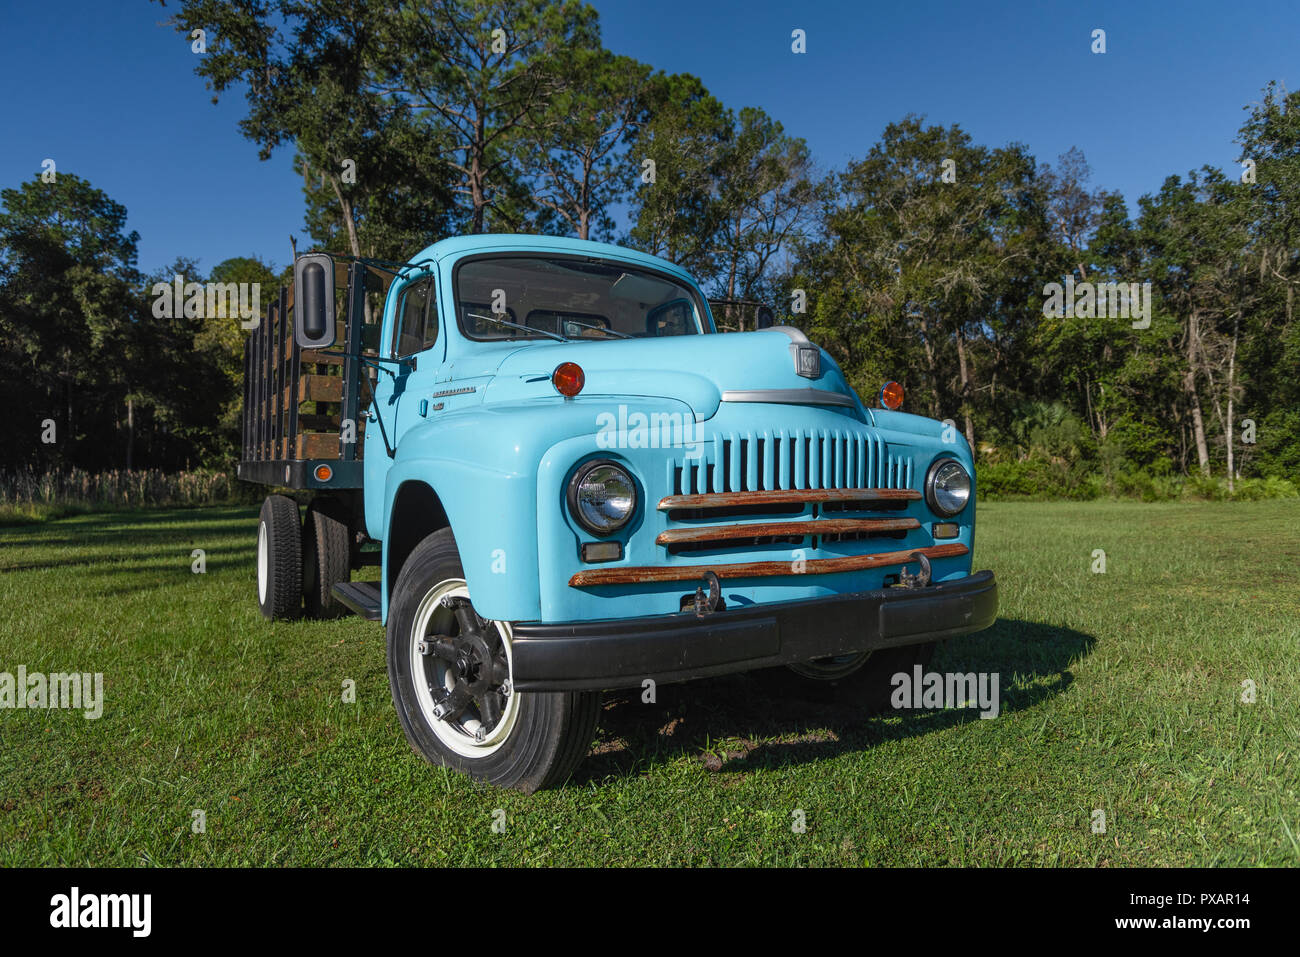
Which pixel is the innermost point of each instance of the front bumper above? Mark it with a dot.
(622, 653)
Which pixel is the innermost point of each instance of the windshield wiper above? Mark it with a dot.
(514, 325)
(612, 332)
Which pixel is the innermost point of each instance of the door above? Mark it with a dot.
(409, 370)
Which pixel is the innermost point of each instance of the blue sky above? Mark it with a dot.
(108, 92)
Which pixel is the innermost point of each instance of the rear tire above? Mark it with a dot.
(522, 740)
(867, 679)
(326, 561)
(279, 559)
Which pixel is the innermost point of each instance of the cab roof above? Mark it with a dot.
(456, 246)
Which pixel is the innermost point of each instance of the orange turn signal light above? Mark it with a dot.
(891, 395)
(568, 379)
(324, 473)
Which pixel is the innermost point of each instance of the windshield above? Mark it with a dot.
(553, 297)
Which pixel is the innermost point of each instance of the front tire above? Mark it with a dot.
(450, 673)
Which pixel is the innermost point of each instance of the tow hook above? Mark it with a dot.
(706, 605)
(921, 578)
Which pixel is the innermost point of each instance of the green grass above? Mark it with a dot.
(1120, 692)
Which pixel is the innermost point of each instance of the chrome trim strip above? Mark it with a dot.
(462, 391)
(794, 333)
(789, 397)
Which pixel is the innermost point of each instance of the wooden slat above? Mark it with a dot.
(788, 497)
(317, 445)
(826, 526)
(816, 566)
(317, 357)
(320, 388)
(324, 445)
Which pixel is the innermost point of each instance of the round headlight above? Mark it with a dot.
(947, 487)
(602, 497)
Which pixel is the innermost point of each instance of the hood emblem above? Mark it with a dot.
(807, 361)
(807, 357)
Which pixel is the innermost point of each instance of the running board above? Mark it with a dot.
(361, 597)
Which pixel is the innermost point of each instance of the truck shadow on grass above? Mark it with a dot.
(772, 719)
(137, 528)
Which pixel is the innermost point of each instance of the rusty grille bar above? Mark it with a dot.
(788, 497)
(634, 575)
(828, 526)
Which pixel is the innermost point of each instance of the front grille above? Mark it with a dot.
(762, 494)
(780, 459)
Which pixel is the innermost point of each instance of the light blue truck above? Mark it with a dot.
(569, 481)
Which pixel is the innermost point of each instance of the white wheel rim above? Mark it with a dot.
(458, 734)
(263, 563)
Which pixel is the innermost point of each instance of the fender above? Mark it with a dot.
(488, 488)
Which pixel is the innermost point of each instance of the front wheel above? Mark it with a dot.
(451, 672)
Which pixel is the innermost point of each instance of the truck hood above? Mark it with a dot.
(696, 369)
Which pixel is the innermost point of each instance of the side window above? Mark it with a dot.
(673, 318)
(417, 319)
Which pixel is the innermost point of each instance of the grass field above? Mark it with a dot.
(1121, 692)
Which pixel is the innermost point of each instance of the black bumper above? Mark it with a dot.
(622, 653)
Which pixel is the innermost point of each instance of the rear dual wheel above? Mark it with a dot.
(279, 558)
(299, 563)
(326, 559)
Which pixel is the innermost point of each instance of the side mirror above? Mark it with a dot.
(764, 319)
(313, 301)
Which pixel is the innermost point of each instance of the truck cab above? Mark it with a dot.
(572, 482)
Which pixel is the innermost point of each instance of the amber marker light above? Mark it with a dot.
(324, 473)
(568, 379)
(891, 395)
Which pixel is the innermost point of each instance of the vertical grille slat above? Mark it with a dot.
(774, 459)
(769, 460)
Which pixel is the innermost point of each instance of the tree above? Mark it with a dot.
(483, 72)
(931, 240)
(1195, 236)
(222, 338)
(1074, 210)
(1270, 141)
(768, 197)
(582, 140)
(678, 157)
(309, 74)
(68, 283)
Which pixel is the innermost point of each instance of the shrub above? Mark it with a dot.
(119, 489)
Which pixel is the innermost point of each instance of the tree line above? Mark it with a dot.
(1080, 347)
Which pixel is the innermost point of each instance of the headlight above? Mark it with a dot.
(947, 487)
(602, 497)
